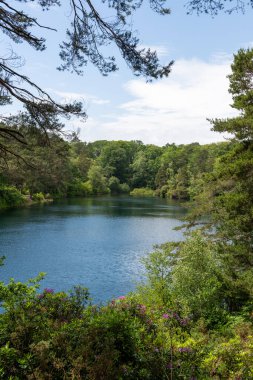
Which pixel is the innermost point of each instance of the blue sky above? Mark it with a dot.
(122, 106)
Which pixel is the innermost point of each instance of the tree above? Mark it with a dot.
(227, 195)
(88, 33)
(213, 7)
(234, 169)
(196, 278)
(115, 160)
(187, 275)
(80, 160)
(145, 166)
(97, 180)
(51, 169)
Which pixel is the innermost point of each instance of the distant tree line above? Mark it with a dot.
(68, 169)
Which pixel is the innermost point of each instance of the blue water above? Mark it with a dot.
(95, 242)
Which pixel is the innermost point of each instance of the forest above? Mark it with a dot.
(78, 169)
(192, 316)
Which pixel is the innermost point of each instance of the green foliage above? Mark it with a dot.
(196, 279)
(88, 35)
(38, 197)
(114, 185)
(79, 169)
(145, 167)
(178, 185)
(142, 192)
(97, 180)
(232, 175)
(232, 358)
(79, 189)
(225, 194)
(10, 197)
(115, 158)
(80, 160)
(124, 188)
(158, 267)
(47, 166)
(188, 275)
(61, 335)
(215, 7)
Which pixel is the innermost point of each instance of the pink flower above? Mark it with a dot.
(142, 308)
(122, 298)
(49, 290)
(166, 316)
(184, 349)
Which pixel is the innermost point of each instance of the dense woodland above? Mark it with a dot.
(69, 169)
(192, 317)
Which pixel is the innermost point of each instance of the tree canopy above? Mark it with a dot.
(88, 32)
(213, 7)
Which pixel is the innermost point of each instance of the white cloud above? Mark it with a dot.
(32, 5)
(86, 98)
(222, 58)
(248, 45)
(172, 110)
(162, 51)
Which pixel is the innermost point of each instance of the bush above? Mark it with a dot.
(38, 197)
(10, 196)
(231, 358)
(58, 335)
(50, 335)
(196, 278)
(190, 275)
(124, 188)
(114, 185)
(79, 189)
(142, 192)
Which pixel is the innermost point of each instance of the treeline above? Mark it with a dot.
(49, 166)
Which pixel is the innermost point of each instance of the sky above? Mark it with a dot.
(124, 107)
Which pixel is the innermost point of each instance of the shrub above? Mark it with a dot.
(10, 196)
(231, 358)
(38, 197)
(142, 192)
(124, 188)
(196, 278)
(79, 189)
(114, 185)
(60, 335)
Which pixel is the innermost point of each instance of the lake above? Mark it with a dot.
(95, 242)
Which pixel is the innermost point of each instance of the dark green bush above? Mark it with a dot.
(10, 196)
(62, 335)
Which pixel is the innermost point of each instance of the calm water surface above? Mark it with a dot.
(96, 242)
